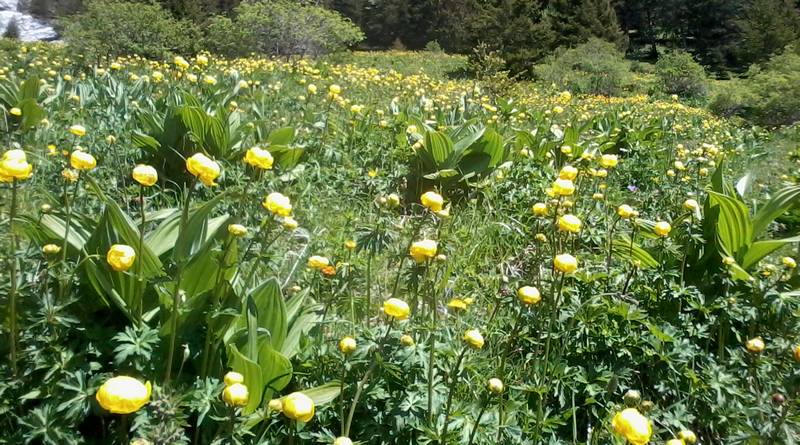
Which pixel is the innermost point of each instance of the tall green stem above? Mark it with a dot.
(176, 295)
(13, 274)
(451, 384)
(140, 263)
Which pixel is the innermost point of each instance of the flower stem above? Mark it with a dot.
(477, 422)
(451, 384)
(362, 383)
(140, 263)
(13, 274)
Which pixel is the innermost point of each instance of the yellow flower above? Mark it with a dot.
(204, 168)
(350, 244)
(662, 228)
(289, 223)
(298, 406)
(209, 80)
(69, 174)
(275, 405)
(529, 295)
(496, 386)
(423, 250)
(691, 205)
(123, 395)
(14, 166)
(755, 345)
(237, 230)
(236, 394)
(202, 59)
(563, 187)
(432, 201)
(569, 223)
(15, 112)
(609, 161)
(457, 304)
(675, 442)
(393, 200)
(598, 196)
(474, 338)
(789, 262)
(233, 377)
(396, 308)
(687, 436)
(347, 345)
(145, 175)
(120, 257)
(278, 204)
(625, 211)
(80, 160)
(633, 426)
(540, 209)
(568, 172)
(342, 441)
(312, 89)
(318, 262)
(77, 130)
(406, 340)
(259, 158)
(180, 62)
(50, 249)
(565, 263)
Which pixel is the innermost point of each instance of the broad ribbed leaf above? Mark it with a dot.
(439, 145)
(775, 207)
(281, 136)
(759, 249)
(271, 310)
(623, 249)
(324, 394)
(734, 229)
(253, 377)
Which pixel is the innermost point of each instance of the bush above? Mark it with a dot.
(767, 96)
(284, 28)
(225, 37)
(594, 67)
(12, 30)
(114, 28)
(679, 74)
(434, 47)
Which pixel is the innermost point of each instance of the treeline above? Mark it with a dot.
(724, 35)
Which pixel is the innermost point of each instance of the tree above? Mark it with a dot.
(576, 21)
(765, 27)
(12, 30)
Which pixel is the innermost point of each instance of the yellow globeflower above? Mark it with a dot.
(691, 205)
(423, 250)
(145, 175)
(123, 395)
(120, 257)
(563, 187)
(233, 377)
(675, 442)
(77, 130)
(687, 436)
(350, 244)
(788, 262)
(633, 426)
(496, 386)
(204, 168)
(662, 228)
(318, 262)
(755, 345)
(15, 112)
(625, 211)
(236, 395)
(259, 158)
(289, 223)
(473, 338)
(529, 295)
(347, 345)
(569, 223)
(180, 62)
(80, 160)
(565, 263)
(568, 172)
(393, 200)
(342, 441)
(14, 166)
(50, 249)
(540, 209)
(609, 161)
(406, 340)
(237, 230)
(396, 308)
(278, 204)
(432, 201)
(334, 89)
(298, 406)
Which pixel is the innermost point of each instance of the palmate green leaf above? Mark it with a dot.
(622, 248)
(760, 249)
(253, 377)
(783, 200)
(733, 227)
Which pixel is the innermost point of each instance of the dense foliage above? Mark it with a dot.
(258, 251)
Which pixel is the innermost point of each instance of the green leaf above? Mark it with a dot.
(623, 249)
(253, 377)
(190, 240)
(324, 394)
(783, 200)
(733, 227)
(276, 369)
(281, 136)
(759, 249)
(271, 310)
(300, 327)
(286, 157)
(439, 145)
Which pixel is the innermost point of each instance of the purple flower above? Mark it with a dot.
(633, 188)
